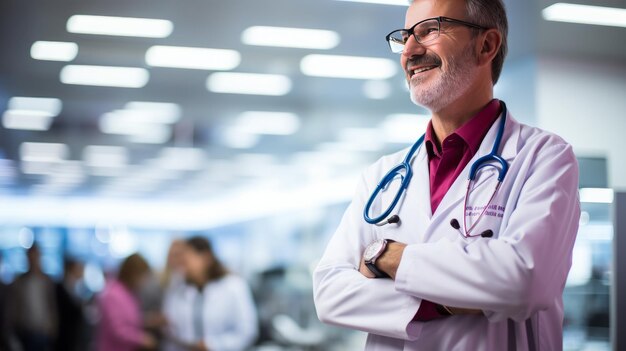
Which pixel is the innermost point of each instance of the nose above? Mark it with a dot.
(412, 48)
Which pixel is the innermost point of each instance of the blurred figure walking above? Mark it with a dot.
(70, 304)
(214, 309)
(121, 327)
(32, 311)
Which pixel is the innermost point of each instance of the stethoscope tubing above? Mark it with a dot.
(406, 178)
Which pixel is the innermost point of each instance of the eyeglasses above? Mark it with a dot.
(424, 31)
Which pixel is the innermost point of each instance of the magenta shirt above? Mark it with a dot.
(447, 161)
(120, 327)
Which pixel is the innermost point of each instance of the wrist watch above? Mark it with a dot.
(372, 252)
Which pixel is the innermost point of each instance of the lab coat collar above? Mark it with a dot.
(508, 150)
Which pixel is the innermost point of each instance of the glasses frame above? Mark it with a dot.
(440, 19)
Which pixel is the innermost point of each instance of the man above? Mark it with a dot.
(71, 318)
(445, 273)
(32, 311)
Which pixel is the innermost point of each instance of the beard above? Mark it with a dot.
(449, 85)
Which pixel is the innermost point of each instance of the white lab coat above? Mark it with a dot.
(516, 277)
(229, 318)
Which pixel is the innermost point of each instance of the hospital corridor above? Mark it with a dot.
(328, 175)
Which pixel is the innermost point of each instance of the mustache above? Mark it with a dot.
(424, 60)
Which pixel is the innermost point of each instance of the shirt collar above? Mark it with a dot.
(472, 132)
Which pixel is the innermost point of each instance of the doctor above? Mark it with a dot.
(449, 269)
(213, 309)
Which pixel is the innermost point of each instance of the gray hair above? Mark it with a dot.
(490, 14)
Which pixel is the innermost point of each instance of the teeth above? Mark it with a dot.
(423, 69)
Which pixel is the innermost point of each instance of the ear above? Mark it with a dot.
(488, 44)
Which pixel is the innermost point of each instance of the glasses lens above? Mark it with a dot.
(397, 40)
(427, 31)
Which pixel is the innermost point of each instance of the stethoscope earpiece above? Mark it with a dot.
(454, 223)
(391, 220)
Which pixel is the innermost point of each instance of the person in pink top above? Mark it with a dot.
(121, 325)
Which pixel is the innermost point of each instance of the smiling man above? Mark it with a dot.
(463, 241)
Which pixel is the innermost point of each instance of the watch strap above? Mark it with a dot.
(377, 272)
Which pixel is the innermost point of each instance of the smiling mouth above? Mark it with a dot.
(416, 71)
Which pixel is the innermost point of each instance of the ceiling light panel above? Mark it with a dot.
(105, 76)
(53, 51)
(31, 113)
(585, 14)
(290, 37)
(51, 106)
(192, 58)
(249, 83)
(154, 112)
(26, 120)
(354, 67)
(43, 152)
(120, 26)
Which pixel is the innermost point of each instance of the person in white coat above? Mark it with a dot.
(213, 309)
(446, 270)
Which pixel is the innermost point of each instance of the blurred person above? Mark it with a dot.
(4, 327)
(472, 257)
(173, 274)
(31, 306)
(121, 327)
(214, 309)
(70, 304)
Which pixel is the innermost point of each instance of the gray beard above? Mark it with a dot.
(451, 85)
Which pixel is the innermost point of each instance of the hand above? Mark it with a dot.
(389, 261)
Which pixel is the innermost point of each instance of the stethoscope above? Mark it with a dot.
(405, 167)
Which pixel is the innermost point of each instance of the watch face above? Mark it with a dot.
(372, 250)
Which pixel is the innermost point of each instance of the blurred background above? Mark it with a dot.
(128, 124)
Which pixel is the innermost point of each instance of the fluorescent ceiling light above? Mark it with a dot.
(122, 122)
(347, 67)
(120, 26)
(596, 195)
(52, 106)
(585, 14)
(290, 37)
(153, 134)
(31, 113)
(271, 123)
(131, 122)
(382, 2)
(26, 120)
(43, 152)
(249, 83)
(53, 51)
(404, 128)
(103, 156)
(105, 76)
(192, 58)
(154, 112)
